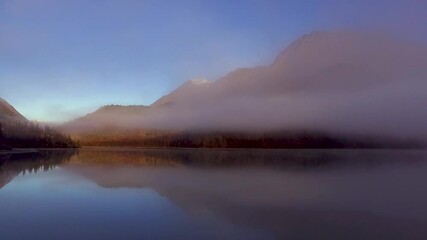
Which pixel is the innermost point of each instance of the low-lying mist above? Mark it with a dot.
(341, 83)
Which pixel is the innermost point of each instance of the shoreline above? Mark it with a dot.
(18, 151)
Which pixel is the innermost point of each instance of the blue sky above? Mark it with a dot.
(60, 59)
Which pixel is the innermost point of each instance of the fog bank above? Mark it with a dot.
(342, 82)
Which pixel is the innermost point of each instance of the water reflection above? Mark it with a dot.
(230, 194)
(13, 164)
(292, 159)
(296, 194)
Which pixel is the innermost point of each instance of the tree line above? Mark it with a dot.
(18, 134)
(279, 139)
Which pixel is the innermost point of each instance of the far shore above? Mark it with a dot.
(37, 150)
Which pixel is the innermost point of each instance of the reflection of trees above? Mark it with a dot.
(14, 164)
(279, 202)
(283, 159)
(202, 157)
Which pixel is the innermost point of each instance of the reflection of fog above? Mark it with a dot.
(12, 165)
(302, 159)
(337, 194)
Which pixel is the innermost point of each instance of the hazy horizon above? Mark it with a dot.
(69, 58)
(213, 119)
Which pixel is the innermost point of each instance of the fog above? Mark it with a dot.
(338, 82)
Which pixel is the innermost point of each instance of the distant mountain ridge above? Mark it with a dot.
(317, 61)
(182, 93)
(323, 81)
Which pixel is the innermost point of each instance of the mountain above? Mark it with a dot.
(339, 83)
(183, 92)
(325, 62)
(9, 113)
(112, 117)
(17, 132)
(105, 118)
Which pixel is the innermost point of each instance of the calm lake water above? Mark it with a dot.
(100, 193)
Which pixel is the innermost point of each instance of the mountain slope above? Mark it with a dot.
(319, 62)
(327, 62)
(8, 112)
(191, 88)
(17, 132)
(339, 83)
(106, 117)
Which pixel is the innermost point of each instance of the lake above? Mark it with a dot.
(124, 193)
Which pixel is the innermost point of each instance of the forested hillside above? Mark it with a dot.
(19, 134)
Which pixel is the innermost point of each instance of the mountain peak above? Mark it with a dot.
(312, 36)
(197, 81)
(184, 92)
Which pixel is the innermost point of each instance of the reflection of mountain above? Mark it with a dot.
(6, 177)
(12, 165)
(307, 204)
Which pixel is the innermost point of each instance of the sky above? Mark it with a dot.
(60, 59)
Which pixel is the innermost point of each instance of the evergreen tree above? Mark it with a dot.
(30, 135)
(1, 131)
